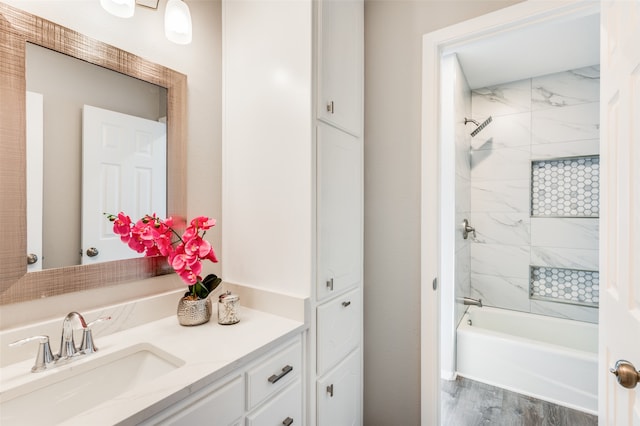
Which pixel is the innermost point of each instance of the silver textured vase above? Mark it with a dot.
(194, 312)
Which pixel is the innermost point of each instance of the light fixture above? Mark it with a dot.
(177, 18)
(177, 22)
(119, 8)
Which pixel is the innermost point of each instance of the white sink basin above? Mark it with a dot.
(66, 391)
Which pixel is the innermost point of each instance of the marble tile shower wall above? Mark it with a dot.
(462, 108)
(552, 116)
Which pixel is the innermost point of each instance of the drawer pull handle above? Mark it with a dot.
(330, 107)
(286, 370)
(288, 421)
(330, 390)
(330, 284)
(345, 304)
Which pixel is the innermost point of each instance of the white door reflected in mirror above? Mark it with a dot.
(123, 169)
(35, 148)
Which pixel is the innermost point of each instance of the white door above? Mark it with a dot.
(620, 207)
(35, 149)
(123, 169)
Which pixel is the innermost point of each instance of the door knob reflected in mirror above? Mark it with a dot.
(92, 252)
(627, 375)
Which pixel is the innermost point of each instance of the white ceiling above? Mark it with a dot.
(531, 51)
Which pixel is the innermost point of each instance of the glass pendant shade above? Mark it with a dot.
(177, 22)
(119, 8)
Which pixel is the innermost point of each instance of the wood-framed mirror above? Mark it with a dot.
(17, 28)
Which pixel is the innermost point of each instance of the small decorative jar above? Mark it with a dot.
(228, 305)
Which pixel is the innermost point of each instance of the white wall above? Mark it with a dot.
(143, 35)
(393, 55)
(268, 204)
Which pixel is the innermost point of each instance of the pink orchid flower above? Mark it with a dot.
(155, 237)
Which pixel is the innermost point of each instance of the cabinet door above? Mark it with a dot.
(339, 394)
(338, 329)
(340, 61)
(339, 206)
(219, 404)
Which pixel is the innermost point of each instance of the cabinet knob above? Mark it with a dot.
(330, 107)
(330, 284)
(330, 390)
(288, 421)
(347, 303)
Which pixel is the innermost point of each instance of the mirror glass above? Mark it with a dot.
(18, 30)
(61, 86)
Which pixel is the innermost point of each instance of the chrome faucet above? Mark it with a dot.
(68, 350)
(470, 301)
(73, 321)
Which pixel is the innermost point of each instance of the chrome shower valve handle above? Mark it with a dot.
(468, 229)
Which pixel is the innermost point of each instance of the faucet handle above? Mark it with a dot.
(44, 356)
(94, 322)
(87, 346)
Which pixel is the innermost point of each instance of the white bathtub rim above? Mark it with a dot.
(464, 327)
(529, 343)
(531, 394)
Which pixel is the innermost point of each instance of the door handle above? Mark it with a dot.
(92, 252)
(627, 375)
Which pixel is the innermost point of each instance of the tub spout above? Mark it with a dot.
(470, 301)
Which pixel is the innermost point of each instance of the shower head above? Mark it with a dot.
(479, 126)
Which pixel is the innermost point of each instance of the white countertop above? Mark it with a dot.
(209, 352)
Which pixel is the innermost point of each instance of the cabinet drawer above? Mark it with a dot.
(284, 409)
(273, 372)
(339, 329)
(219, 404)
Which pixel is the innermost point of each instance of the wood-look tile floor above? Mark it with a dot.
(469, 403)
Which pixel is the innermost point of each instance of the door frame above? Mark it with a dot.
(516, 17)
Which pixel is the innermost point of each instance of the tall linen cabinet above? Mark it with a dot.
(292, 219)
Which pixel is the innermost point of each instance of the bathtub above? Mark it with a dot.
(552, 359)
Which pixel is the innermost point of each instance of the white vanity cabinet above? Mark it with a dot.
(264, 391)
(339, 210)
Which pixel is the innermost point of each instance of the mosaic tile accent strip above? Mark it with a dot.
(566, 187)
(565, 285)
